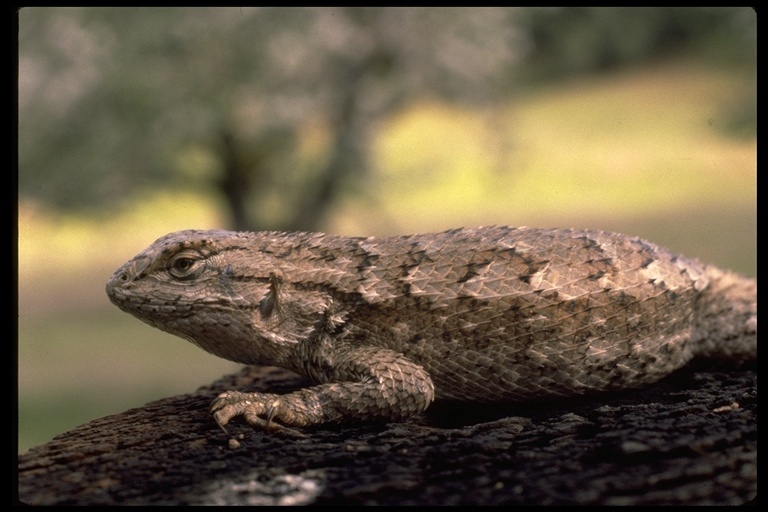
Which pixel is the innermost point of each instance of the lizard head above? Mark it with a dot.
(221, 290)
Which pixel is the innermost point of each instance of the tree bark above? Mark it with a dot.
(688, 440)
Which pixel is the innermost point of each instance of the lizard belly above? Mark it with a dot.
(509, 375)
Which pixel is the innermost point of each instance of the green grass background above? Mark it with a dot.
(654, 152)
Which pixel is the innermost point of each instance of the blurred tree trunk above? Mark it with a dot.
(247, 171)
(347, 157)
(236, 182)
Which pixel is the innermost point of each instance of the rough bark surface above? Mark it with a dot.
(688, 439)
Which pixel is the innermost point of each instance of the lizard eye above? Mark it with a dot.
(183, 264)
(186, 265)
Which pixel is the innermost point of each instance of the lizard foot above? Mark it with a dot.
(257, 409)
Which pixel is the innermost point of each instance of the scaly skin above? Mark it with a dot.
(385, 325)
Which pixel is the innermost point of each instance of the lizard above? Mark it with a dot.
(383, 326)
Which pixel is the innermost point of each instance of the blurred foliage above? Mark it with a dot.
(275, 109)
(568, 41)
(112, 98)
(577, 40)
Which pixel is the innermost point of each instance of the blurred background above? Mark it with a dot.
(134, 122)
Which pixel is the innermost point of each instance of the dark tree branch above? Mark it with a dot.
(690, 439)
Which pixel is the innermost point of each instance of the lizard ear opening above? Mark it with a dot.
(269, 302)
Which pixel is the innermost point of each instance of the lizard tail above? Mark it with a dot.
(726, 323)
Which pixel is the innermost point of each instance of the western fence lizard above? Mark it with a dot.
(385, 325)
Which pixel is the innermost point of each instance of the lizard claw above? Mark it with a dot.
(259, 410)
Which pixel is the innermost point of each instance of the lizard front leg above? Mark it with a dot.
(366, 384)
